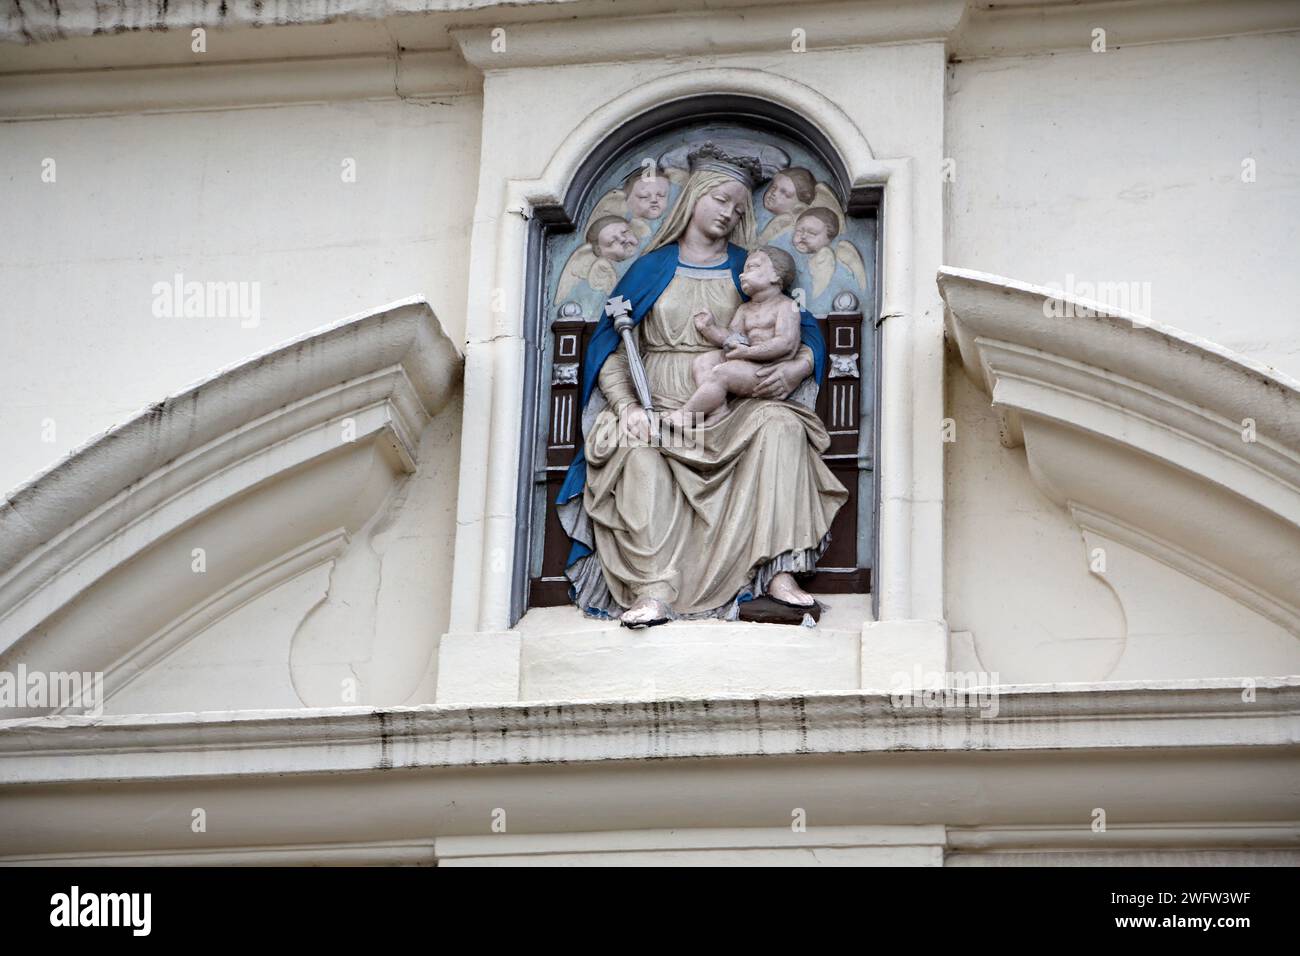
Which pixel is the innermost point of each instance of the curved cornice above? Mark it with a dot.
(1168, 361)
(336, 397)
(1191, 451)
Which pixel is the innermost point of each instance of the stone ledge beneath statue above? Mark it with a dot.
(565, 655)
(687, 658)
(558, 654)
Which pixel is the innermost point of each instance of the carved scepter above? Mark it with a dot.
(620, 310)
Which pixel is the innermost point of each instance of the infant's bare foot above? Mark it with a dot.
(684, 421)
(675, 419)
(718, 414)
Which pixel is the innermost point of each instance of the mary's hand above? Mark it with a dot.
(636, 423)
(778, 380)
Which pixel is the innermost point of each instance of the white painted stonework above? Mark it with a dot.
(293, 568)
(152, 553)
(1178, 462)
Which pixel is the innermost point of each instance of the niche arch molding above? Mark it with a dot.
(553, 204)
(512, 220)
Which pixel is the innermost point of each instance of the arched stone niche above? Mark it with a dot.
(524, 198)
(580, 247)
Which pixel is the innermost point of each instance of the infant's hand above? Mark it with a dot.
(735, 342)
(703, 319)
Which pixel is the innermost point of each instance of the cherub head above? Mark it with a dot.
(765, 268)
(647, 197)
(789, 189)
(612, 239)
(814, 230)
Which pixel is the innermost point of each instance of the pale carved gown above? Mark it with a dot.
(700, 522)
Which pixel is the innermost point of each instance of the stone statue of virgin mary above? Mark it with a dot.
(691, 530)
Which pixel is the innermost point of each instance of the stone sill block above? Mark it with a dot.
(564, 655)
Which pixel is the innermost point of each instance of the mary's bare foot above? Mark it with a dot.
(646, 612)
(784, 588)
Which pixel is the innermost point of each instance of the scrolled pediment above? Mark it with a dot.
(1150, 437)
(149, 532)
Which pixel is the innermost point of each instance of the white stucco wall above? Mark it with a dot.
(1126, 166)
(1027, 602)
(359, 628)
(256, 196)
(1021, 588)
(1114, 167)
(252, 195)
(1105, 167)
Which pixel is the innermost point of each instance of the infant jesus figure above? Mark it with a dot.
(763, 332)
